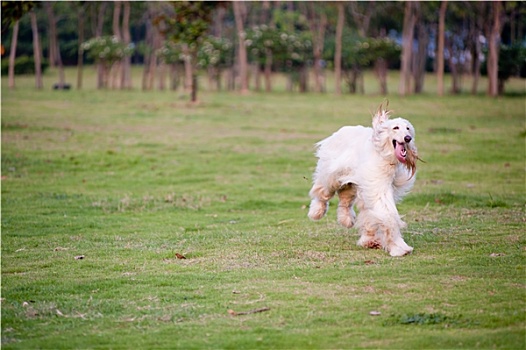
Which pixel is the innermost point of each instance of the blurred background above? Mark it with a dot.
(258, 45)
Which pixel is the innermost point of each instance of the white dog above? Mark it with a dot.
(372, 168)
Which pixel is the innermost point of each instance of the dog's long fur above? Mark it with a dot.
(372, 169)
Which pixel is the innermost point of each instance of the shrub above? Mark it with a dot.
(23, 65)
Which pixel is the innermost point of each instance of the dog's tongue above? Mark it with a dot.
(400, 152)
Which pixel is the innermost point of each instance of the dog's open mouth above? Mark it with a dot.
(400, 151)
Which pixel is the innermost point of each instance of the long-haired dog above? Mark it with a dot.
(372, 169)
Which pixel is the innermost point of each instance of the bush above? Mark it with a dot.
(23, 65)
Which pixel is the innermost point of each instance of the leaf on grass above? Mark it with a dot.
(79, 257)
(233, 313)
(179, 256)
(375, 313)
(369, 262)
(494, 255)
(59, 313)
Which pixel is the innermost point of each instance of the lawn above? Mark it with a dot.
(103, 190)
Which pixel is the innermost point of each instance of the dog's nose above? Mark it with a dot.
(407, 138)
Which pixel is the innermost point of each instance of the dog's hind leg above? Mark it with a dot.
(320, 201)
(346, 214)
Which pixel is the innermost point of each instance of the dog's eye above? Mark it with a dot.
(396, 128)
(407, 128)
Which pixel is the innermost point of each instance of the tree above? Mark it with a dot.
(407, 47)
(317, 19)
(106, 50)
(239, 9)
(422, 35)
(493, 29)
(37, 53)
(126, 81)
(215, 54)
(54, 48)
(187, 26)
(116, 67)
(12, 56)
(440, 47)
(12, 12)
(511, 57)
(80, 51)
(362, 13)
(338, 48)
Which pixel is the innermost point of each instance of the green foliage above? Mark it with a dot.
(511, 59)
(24, 65)
(107, 49)
(289, 49)
(12, 11)
(215, 52)
(188, 24)
(170, 53)
(367, 51)
(363, 52)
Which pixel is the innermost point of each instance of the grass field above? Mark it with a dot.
(128, 179)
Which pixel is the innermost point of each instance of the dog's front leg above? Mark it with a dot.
(345, 212)
(395, 244)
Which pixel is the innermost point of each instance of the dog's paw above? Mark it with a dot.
(397, 250)
(369, 242)
(346, 221)
(317, 209)
(346, 217)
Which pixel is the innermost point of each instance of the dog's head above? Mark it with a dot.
(395, 139)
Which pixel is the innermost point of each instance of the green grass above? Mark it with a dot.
(129, 178)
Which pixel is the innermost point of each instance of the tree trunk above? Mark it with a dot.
(362, 20)
(156, 44)
(380, 68)
(268, 70)
(146, 64)
(194, 87)
(256, 68)
(188, 76)
(116, 67)
(493, 49)
(317, 24)
(126, 80)
(454, 67)
(407, 48)
(52, 37)
(80, 59)
(440, 49)
(54, 45)
(174, 77)
(338, 49)
(101, 70)
(476, 49)
(162, 75)
(419, 68)
(242, 51)
(12, 56)
(36, 51)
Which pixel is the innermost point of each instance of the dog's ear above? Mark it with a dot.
(380, 117)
